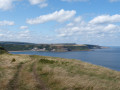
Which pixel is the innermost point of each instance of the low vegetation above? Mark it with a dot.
(2, 50)
(32, 72)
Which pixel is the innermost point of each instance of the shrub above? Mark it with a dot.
(13, 60)
(45, 61)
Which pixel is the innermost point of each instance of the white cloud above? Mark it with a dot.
(40, 3)
(6, 4)
(78, 19)
(4, 23)
(1, 35)
(89, 30)
(23, 27)
(75, 0)
(34, 2)
(105, 19)
(24, 34)
(14, 35)
(110, 27)
(43, 5)
(59, 16)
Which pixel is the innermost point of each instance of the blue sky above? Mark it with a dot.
(61, 21)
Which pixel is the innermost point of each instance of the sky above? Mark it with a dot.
(61, 21)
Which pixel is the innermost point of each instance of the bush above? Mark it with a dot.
(2, 50)
(45, 61)
(13, 60)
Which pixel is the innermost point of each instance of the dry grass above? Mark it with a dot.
(9, 68)
(56, 74)
(69, 74)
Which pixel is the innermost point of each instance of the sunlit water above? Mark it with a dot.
(109, 57)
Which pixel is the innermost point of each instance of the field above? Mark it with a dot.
(32, 72)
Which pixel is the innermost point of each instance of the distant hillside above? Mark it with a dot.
(93, 46)
(62, 47)
(15, 43)
(2, 50)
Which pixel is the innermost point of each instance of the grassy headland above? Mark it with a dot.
(20, 46)
(32, 72)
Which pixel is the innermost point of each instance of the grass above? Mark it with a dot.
(55, 74)
(78, 76)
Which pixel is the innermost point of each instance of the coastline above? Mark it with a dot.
(20, 51)
(52, 51)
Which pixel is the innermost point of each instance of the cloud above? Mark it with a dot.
(1, 35)
(6, 4)
(40, 3)
(43, 5)
(59, 16)
(14, 35)
(89, 30)
(24, 34)
(5, 23)
(23, 27)
(75, 0)
(34, 2)
(106, 19)
(114, 0)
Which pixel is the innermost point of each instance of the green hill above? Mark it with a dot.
(21, 46)
(2, 50)
(32, 72)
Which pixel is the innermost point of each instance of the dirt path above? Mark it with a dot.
(40, 83)
(13, 84)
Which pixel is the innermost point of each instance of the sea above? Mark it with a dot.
(108, 57)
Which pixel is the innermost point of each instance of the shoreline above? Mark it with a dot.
(20, 51)
(52, 51)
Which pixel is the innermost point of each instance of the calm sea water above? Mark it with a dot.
(109, 58)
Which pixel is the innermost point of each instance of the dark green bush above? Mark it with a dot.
(13, 60)
(45, 61)
(2, 50)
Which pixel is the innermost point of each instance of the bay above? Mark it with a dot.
(109, 57)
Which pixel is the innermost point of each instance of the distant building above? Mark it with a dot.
(53, 50)
(37, 49)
